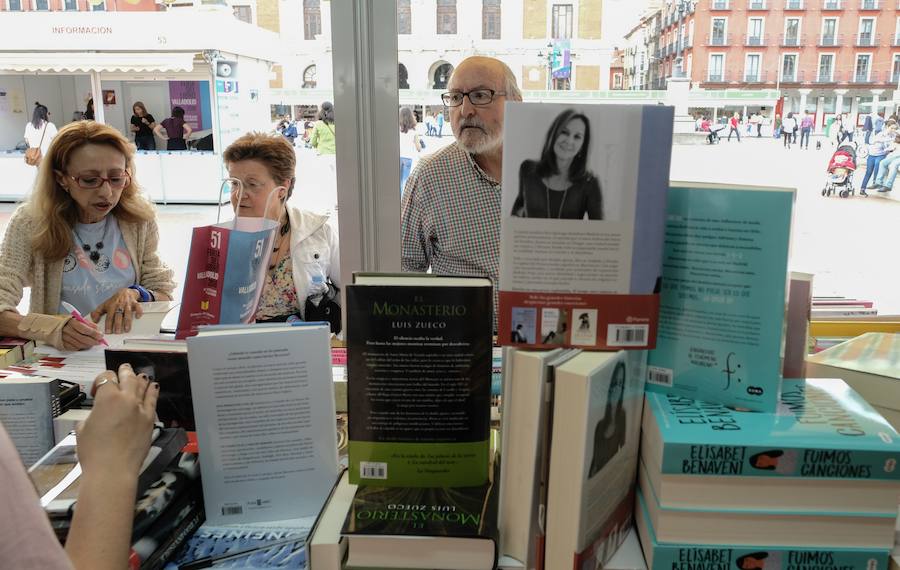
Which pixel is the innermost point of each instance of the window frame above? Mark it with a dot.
(819, 67)
(442, 12)
(570, 21)
(309, 22)
(712, 27)
(759, 66)
(869, 59)
(491, 10)
(404, 8)
(709, 67)
(837, 26)
(784, 56)
(799, 21)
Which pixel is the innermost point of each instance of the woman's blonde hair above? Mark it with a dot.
(55, 212)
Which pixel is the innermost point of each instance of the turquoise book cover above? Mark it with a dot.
(667, 556)
(822, 429)
(722, 302)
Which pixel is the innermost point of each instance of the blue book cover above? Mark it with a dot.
(668, 556)
(822, 429)
(722, 302)
(278, 544)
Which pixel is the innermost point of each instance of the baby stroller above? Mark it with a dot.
(840, 171)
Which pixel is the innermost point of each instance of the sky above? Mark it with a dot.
(619, 16)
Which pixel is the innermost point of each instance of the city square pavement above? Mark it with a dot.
(851, 245)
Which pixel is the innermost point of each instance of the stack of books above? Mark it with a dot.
(169, 505)
(814, 483)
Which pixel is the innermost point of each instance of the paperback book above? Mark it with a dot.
(169, 368)
(28, 405)
(419, 380)
(581, 225)
(668, 556)
(722, 307)
(597, 403)
(822, 429)
(264, 407)
(454, 528)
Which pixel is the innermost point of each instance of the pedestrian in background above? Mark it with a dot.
(322, 138)
(439, 123)
(142, 125)
(787, 129)
(806, 125)
(410, 144)
(734, 124)
(868, 127)
(878, 149)
(40, 131)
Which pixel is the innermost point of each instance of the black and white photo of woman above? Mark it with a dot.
(560, 185)
(609, 434)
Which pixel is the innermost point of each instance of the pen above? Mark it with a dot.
(209, 561)
(77, 316)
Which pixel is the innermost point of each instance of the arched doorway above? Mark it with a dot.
(402, 77)
(441, 76)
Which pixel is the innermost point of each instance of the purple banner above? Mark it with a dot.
(186, 94)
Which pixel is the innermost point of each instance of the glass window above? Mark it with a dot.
(490, 19)
(718, 31)
(244, 14)
(862, 67)
(562, 20)
(789, 68)
(312, 19)
(404, 17)
(792, 31)
(41, 4)
(895, 73)
(446, 16)
(755, 28)
(716, 63)
(99, 6)
(70, 5)
(751, 70)
(828, 28)
(826, 63)
(309, 77)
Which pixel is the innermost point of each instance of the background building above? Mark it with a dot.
(824, 56)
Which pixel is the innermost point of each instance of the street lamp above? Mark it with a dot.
(683, 7)
(550, 58)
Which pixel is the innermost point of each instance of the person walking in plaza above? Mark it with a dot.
(878, 149)
(806, 125)
(322, 138)
(439, 123)
(88, 237)
(142, 125)
(177, 131)
(845, 129)
(450, 219)
(868, 127)
(410, 144)
(776, 127)
(429, 124)
(734, 126)
(787, 129)
(39, 131)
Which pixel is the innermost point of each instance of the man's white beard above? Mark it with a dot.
(484, 145)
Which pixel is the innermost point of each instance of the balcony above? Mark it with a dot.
(868, 40)
(833, 40)
(792, 41)
(832, 5)
(827, 77)
(897, 40)
(793, 4)
(720, 5)
(718, 40)
(756, 40)
(758, 77)
(757, 5)
(869, 5)
(796, 77)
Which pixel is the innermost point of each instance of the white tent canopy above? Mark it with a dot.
(104, 62)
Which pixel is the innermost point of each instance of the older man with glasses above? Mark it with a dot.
(451, 202)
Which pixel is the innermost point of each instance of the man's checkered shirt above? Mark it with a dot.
(451, 218)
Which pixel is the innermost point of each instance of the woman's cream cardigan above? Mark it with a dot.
(20, 267)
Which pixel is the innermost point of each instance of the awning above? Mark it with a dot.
(125, 62)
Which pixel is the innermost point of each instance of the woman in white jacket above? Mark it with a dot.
(303, 275)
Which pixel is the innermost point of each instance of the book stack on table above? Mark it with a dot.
(815, 483)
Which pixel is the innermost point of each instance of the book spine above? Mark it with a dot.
(690, 557)
(773, 461)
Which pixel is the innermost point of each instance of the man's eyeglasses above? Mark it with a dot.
(477, 97)
(92, 182)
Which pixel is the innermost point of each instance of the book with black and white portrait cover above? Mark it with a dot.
(582, 217)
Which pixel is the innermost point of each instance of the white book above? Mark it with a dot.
(28, 405)
(265, 417)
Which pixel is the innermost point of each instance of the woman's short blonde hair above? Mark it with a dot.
(274, 151)
(54, 210)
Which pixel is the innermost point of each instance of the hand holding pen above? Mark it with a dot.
(78, 333)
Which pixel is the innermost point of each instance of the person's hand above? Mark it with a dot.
(116, 435)
(79, 336)
(120, 310)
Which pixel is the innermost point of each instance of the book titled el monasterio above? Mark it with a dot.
(419, 379)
